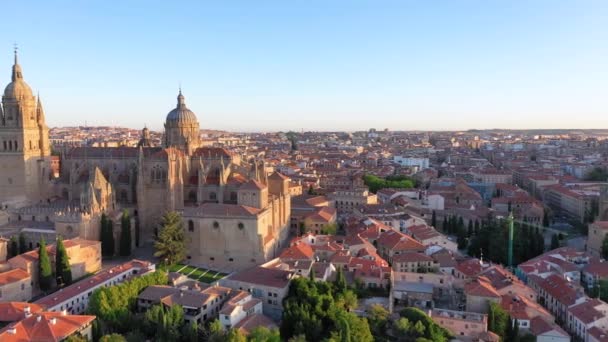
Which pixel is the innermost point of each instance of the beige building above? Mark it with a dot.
(15, 285)
(85, 258)
(460, 323)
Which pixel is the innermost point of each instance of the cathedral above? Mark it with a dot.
(235, 215)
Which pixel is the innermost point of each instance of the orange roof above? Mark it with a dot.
(299, 251)
(45, 326)
(15, 311)
(12, 276)
(481, 287)
(396, 241)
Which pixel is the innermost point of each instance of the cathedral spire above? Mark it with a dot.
(17, 74)
(181, 103)
(39, 111)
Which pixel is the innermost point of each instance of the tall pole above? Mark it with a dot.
(510, 249)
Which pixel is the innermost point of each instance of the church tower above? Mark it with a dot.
(25, 153)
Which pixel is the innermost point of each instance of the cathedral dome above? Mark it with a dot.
(181, 113)
(17, 88)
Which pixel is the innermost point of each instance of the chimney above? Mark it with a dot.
(12, 331)
(53, 321)
(38, 318)
(64, 312)
(27, 310)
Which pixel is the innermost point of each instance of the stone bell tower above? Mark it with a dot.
(25, 153)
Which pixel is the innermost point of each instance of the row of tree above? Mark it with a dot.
(397, 181)
(108, 248)
(17, 245)
(321, 310)
(492, 240)
(62, 275)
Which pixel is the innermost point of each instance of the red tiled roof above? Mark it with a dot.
(586, 312)
(45, 326)
(12, 276)
(263, 276)
(481, 287)
(396, 241)
(299, 251)
(15, 311)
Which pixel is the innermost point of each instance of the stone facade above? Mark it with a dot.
(25, 155)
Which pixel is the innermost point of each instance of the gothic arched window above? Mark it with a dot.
(213, 196)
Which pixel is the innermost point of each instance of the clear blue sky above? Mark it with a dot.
(320, 65)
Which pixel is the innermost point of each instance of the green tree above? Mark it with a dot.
(500, 321)
(114, 305)
(216, 332)
(605, 247)
(554, 241)
(311, 309)
(432, 331)
(419, 329)
(263, 334)
(434, 219)
(137, 231)
(402, 326)
(75, 338)
(311, 190)
(13, 247)
(191, 332)
(125, 234)
(445, 226)
(170, 246)
(347, 300)
(545, 219)
(22, 244)
(165, 323)
(107, 236)
(113, 338)
(470, 229)
(340, 282)
(63, 271)
(330, 229)
(45, 271)
(378, 317)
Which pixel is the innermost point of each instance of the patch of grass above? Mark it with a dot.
(197, 273)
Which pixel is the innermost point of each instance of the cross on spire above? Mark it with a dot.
(15, 49)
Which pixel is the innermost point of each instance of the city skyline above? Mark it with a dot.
(314, 66)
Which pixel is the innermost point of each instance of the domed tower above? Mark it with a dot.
(181, 127)
(24, 143)
(145, 140)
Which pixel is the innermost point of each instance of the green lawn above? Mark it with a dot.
(197, 273)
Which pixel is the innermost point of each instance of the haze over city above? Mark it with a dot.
(316, 65)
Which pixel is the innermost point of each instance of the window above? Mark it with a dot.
(231, 259)
(190, 226)
(216, 224)
(241, 225)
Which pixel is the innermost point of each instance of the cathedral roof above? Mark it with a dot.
(252, 184)
(181, 113)
(118, 152)
(212, 152)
